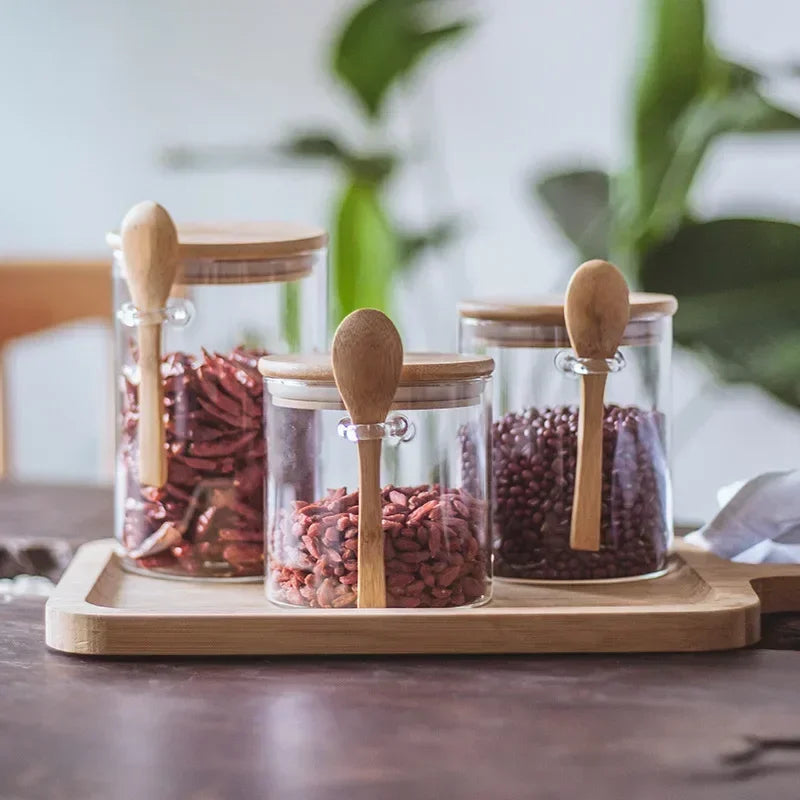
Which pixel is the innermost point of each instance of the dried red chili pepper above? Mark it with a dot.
(215, 451)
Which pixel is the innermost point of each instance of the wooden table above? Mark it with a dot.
(682, 726)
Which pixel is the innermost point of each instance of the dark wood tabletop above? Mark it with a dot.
(719, 725)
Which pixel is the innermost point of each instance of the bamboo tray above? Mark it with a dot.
(701, 603)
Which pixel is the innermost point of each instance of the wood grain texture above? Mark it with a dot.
(39, 294)
(43, 512)
(596, 311)
(367, 357)
(361, 728)
(242, 241)
(394, 728)
(150, 433)
(36, 295)
(548, 309)
(702, 603)
(5, 427)
(150, 248)
(587, 502)
(417, 368)
(371, 570)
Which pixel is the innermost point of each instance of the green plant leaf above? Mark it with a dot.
(724, 255)
(579, 203)
(383, 41)
(364, 255)
(743, 110)
(738, 283)
(411, 245)
(373, 167)
(671, 74)
(734, 76)
(314, 144)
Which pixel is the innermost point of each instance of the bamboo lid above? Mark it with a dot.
(539, 322)
(549, 309)
(427, 380)
(251, 252)
(418, 368)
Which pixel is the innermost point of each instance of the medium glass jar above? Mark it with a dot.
(241, 291)
(534, 439)
(433, 472)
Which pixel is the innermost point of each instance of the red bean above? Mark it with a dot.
(413, 569)
(534, 459)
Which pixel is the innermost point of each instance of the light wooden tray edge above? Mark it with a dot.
(727, 617)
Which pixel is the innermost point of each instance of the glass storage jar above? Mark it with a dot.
(534, 439)
(434, 474)
(241, 291)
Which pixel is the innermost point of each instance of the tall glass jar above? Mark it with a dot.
(534, 438)
(242, 291)
(434, 475)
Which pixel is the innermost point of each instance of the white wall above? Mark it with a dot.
(92, 91)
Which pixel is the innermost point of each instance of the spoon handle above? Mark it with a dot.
(371, 568)
(152, 457)
(587, 501)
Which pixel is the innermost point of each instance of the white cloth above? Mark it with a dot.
(758, 522)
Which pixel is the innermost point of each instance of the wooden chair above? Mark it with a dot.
(39, 294)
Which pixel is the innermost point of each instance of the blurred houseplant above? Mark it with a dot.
(738, 280)
(379, 45)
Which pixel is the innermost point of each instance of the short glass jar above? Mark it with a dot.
(241, 291)
(434, 474)
(534, 439)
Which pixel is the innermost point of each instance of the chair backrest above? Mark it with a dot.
(39, 294)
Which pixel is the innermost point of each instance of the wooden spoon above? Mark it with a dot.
(150, 248)
(596, 309)
(367, 357)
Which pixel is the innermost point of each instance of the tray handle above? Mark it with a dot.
(777, 585)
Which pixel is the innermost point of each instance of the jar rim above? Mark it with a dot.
(534, 334)
(319, 395)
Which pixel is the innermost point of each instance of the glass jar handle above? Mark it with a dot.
(178, 313)
(569, 363)
(396, 427)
